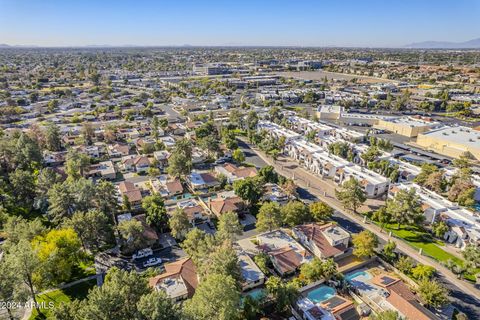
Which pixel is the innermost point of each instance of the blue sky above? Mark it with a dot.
(243, 22)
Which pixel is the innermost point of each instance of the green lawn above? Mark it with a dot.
(78, 291)
(418, 238)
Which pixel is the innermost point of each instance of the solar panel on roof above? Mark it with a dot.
(387, 280)
(333, 302)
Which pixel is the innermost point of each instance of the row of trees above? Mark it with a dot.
(272, 216)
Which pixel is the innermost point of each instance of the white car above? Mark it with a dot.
(152, 262)
(142, 253)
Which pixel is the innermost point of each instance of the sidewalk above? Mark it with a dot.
(325, 192)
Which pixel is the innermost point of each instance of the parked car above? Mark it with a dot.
(152, 262)
(142, 253)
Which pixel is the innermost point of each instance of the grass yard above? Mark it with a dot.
(420, 239)
(78, 291)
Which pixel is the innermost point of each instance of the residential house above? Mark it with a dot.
(104, 169)
(179, 280)
(135, 163)
(286, 254)
(132, 193)
(402, 298)
(162, 158)
(201, 181)
(118, 150)
(251, 274)
(195, 212)
(233, 173)
(220, 206)
(324, 241)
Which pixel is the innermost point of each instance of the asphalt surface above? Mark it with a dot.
(468, 304)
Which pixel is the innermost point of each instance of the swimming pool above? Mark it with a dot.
(358, 274)
(320, 294)
(257, 294)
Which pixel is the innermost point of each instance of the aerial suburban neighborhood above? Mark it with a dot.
(239, 182)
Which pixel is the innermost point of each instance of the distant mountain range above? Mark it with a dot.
(471, 44)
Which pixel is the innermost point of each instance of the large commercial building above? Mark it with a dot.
(406, 126)
(451, 141)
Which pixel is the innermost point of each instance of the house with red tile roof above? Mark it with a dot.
(233, 173)
(286, 254)
(220, 206)
(132, 193)
(179, 280)
(402, 298)
(135, 163)
(324, 241)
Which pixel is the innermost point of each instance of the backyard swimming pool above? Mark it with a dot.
(257, 294)
(358, 274)
(320, 294)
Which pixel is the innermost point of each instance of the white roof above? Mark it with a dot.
(459, 135)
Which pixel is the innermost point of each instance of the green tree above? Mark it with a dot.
(405, 264)
(471, 254)
(284, 294)
(249, 189)
(238, 156)
(269, 217)
(229, 226)
(132, 232)
(432, 293)
(351, 195)
(427, 170)
(364, 244)
(94, 229)
(119, 298)
(106, 198)
(317, 270)
(389, 250)
(23, 188)
(405, 208)
(439, 229)
(180, 160)
(158, 306)
(262, 260)
(321, 211)
(198, 245)
(216, 298)
(46, 178)
(53, 141)
(295, 213)
(386, 315)
(27, 153)
(58, 251)
(370, 155)
(11, 288)
(222, 260)
(179, 224)
(61, 202)
(27, 264)
(422, 271)
(382, 216)
(75, 165)
(268, 174)
(156, 214)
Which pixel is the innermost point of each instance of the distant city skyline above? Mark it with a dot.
(370, 23)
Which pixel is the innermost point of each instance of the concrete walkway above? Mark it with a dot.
(325, 190)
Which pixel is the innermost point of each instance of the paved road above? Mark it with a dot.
(251, 156)
(463, 295)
